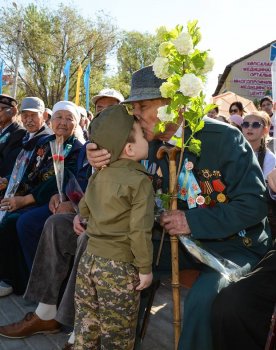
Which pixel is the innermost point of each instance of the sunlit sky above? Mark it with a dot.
(230, 29)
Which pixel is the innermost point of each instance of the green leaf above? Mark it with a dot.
(177, 141)
(199, 126)
(198, 59)
(166, 198)
(195, 146)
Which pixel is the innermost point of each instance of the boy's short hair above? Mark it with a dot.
(110, 129)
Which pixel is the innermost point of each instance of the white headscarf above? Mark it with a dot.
(67, 106)
(73, 108)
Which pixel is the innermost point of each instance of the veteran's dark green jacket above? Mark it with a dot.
(227, 156)
(119, 201)
(225, 149)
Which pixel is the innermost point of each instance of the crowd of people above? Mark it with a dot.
(107, 249)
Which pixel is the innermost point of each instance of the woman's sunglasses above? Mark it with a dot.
(254, 125)
(235, 110)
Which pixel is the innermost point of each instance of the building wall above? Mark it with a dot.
(250, 78)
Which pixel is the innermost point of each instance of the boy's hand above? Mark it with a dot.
(97, 158)
(145, 281)
(78, 228)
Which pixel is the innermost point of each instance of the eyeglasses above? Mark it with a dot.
(234, 110)
(254, 125)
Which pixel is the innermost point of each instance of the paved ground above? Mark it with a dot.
(159, 334)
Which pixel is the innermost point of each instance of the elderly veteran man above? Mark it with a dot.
(32, 109)
(232, 223)
(106, 98)
(11, 134)
(56, 250)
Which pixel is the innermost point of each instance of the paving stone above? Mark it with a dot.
(159, 335)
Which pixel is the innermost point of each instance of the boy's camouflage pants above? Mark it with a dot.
(107, 304)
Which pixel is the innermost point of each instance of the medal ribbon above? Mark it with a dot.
(188, 186)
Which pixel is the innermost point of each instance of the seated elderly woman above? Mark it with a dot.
(36, 188)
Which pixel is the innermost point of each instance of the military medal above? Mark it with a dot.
(189, 166)
(218, 185)
(221, 198)
(206, 173)
(200, 200)
(247, 241)
(206, 187)
(207, 200)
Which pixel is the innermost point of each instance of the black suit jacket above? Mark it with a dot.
(10, 146)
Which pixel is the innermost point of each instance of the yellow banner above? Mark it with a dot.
(80, 72)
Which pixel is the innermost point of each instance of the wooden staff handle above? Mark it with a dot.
(172, 152)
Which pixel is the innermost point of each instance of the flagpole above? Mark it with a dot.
(19, 40)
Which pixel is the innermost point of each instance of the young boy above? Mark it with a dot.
(118, 204)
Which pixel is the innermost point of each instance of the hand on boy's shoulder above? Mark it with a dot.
(97, 158)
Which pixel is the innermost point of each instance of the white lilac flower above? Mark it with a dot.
(190, 85)
(184, 44)
(161, 67)
(164, 115)
(167, 90)
(209, 64)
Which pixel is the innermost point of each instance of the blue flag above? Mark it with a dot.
(86, 84)
(66, 72)
(1, 75)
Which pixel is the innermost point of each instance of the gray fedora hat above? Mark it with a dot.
(144, 85)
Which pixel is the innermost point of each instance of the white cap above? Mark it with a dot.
(82, 111)
(67, 106)
(108, 93)
(49, 111)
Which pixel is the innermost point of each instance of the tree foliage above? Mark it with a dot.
(135, 50)
(50, 37)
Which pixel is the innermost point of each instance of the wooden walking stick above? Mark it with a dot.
(172, 152)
